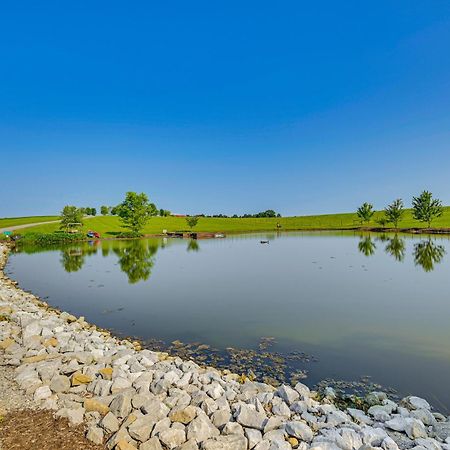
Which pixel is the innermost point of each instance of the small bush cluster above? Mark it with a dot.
(129, 235)
(51, 238)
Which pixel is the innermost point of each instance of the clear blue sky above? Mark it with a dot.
(303, 107)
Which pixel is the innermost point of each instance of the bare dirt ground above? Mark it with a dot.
(22, 427)
(39, 430)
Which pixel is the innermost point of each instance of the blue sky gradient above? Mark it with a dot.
(228, 107)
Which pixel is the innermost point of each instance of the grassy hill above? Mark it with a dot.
(110, 225)
(12, 221)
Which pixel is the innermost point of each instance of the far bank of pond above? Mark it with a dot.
(369, 309)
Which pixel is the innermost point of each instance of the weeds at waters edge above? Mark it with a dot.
(58, 237)
(270, 367)
(128, 235)
(353, 394)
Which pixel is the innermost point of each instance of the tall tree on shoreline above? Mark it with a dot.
(70, 215)
(394, 212)
(365, 212)
(135, 211)
(426, 208)
(192, 221)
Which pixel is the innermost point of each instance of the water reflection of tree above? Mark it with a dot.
(396, 248)
(193, 246)
(427, 254)
(73, 258)
(367, 246)
(136, 259)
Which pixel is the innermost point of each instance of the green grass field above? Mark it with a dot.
(110, 225)
(12, 221)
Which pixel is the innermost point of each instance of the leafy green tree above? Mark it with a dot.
(365, 212)
(89, 211)
(394, 212)
(104, 210)
(426, 208)
(135, 211)
(396, 248)
(192, 221)
(113, 210)
(70, 215)
(268, 213)
(427, 254)
(164, 212)
(367, 246)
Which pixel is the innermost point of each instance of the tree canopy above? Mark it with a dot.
(164, 212)
(426, 208)
(394, 212)
(135, 211)
(192, 221)
(71, 215)
(365, 212)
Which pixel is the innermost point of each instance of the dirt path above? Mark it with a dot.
(26, 225)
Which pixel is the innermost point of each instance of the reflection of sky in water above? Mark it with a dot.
(381, 314)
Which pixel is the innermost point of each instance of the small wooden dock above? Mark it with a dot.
(193, 235)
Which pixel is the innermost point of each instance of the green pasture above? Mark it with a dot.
(13, 221)
(111, 226)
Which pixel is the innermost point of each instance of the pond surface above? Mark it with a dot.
(366, 309)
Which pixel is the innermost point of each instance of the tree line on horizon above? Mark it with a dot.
(135, 211)
(262, 214)
(425, 209)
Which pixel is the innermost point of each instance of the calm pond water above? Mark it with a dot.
(361, 309)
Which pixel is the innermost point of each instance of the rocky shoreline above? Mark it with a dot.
(134, 399)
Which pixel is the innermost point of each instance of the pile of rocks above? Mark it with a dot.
(138, 399)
